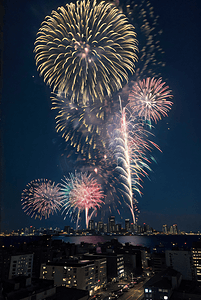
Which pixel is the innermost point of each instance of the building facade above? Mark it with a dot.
(21, 265)
(111, 224)
(181, 261)
(81, 274)
(162, 285)
(196, 255)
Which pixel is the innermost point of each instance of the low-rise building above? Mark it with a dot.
(114, 265)
(81, 274)
(162, 285)
(24, 288)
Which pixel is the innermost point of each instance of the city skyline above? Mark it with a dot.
(31, 148)
(111, 227)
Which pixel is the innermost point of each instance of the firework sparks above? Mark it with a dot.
(130, 144)
(86, 50)
(86, 53)
(148, 99)
(81, 193)
(150, 57)
(106, 174)
(41, 198)
(82, 126)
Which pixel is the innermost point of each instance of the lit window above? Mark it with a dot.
(150, 291)
(146, 290)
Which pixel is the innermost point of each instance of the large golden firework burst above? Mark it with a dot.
(86, 50)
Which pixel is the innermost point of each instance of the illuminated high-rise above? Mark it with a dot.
(127, 224)
(165, 229)
(100, 226)
(91, 225)
(111, 224)
(175, 230)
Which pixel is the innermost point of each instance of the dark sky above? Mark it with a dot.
(29, 143)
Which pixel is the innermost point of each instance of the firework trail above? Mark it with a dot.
(126, 174)
(81, 193)
(148, 98)
(41, 198)
(131, 143)
(86, 50)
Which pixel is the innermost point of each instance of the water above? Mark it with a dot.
(163, 241)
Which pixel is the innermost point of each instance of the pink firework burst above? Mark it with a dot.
(149, 99)
(81, 193)
(41, 198)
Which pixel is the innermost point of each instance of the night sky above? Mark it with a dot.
(30, 145)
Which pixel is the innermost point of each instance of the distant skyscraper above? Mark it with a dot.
(165, 229)
(146, 228)
(175, 230)
(91, 225)
(100, 227)
(67, 229)
(105, 227)
(139, 228)
(135, 226)
(171, 229)
(95, 225)
(111, 224)
(118, 227)
(127, 224)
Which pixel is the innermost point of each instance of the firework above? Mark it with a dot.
(86, 50)
(104, 170)
(81, 193)
(148, 99)
(151, 55)
(82, 126)
(41, 198)
(131, 143)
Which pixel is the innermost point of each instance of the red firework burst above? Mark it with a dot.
(148, 98)
(82, 193)
(41, 198)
